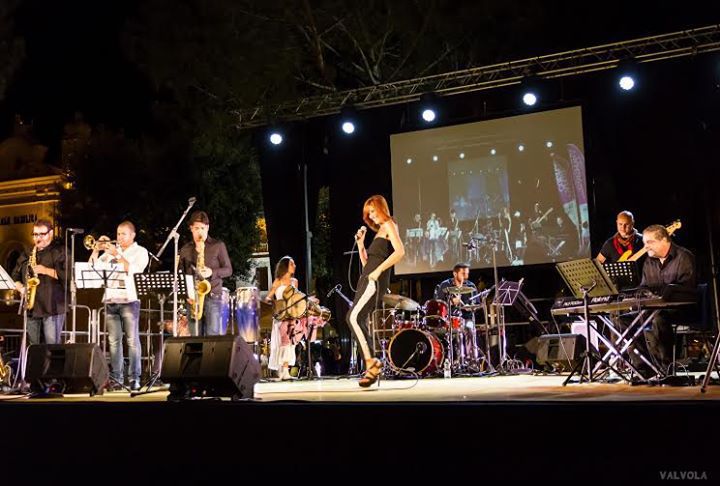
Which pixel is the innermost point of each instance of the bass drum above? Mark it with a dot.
(417, 350)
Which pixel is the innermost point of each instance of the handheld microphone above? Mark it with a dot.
(77, 231)
(192, 200)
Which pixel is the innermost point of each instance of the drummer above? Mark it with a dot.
(458, 290)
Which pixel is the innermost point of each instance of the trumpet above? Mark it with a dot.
(93, 244)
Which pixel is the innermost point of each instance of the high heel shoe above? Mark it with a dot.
(372, 373)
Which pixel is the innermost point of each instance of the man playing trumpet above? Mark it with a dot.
(122, 303)
(46, 263)
(207, 259)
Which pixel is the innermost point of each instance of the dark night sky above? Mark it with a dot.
(74, 59)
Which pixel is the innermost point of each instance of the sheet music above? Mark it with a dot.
(6, 283)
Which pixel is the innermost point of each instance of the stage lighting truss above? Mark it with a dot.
(563, 64)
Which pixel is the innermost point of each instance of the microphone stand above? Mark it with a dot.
(175, 237)
(352, 371)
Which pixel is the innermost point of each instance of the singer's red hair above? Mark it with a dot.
(381, 209)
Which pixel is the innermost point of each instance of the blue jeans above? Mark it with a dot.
(124, 317)
(50, 327)
(210, 323)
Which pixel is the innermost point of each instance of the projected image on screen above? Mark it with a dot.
(514, 187)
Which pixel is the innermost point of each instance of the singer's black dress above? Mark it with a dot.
(367, 298)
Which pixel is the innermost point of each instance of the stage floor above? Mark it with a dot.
(524, 388)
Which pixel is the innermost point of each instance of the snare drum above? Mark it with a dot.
(416, 349)
(436, 313)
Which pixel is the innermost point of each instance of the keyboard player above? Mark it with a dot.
(669, 271)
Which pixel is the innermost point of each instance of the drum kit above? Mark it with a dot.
(425, 337)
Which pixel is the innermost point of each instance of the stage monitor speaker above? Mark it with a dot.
(215, 366)
(66, 368)
(565, 349)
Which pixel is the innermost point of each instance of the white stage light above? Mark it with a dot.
(521, 147)
(493, 152)
(627, 82)
(428, 115)
(529, 98)
(348, 127)
(276, 138)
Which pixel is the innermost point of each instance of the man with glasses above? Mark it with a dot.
(47, 316)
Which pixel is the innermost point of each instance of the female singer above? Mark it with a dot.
(383, 253)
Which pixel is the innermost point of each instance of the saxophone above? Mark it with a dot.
(202, 286)
(32, 280)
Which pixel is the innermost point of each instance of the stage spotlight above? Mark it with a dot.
(529, 98)
(626, 82)
(429, 107)
(462, 155)
(493, 152)
(409, 161)
(435, 158)
(348, 118)
(548, 144)
(348, 127)
(521, 147)
(276, 138)
(428, 115)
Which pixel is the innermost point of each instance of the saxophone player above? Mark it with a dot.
(122, 303)
(46, 316)
(207, 259)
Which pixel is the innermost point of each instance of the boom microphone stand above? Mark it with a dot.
(175, 237)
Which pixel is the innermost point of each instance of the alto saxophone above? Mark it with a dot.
(32, 282)
(202, 285)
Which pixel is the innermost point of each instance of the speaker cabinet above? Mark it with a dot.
(216, 366)
(68, 368)
(565, 349)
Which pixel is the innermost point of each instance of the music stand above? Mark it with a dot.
(624, 275)
(7, 283)
(160, 284)
(506, 292)
(587, 278)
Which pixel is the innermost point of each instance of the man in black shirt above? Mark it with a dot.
(47, 316)
(217, 266)
(625, 239)
(669, 271)
(461, 274)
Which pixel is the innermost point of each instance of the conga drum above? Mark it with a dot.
(247, 313)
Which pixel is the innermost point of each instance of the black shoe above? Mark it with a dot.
(135, 385)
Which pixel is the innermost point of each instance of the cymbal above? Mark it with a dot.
(400, 302)
(459, 290)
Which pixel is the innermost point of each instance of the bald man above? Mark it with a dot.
(626, 238)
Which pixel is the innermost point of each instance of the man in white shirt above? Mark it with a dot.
(122, 303)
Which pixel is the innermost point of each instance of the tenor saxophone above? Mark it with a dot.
(32, 281)
(202, 286)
